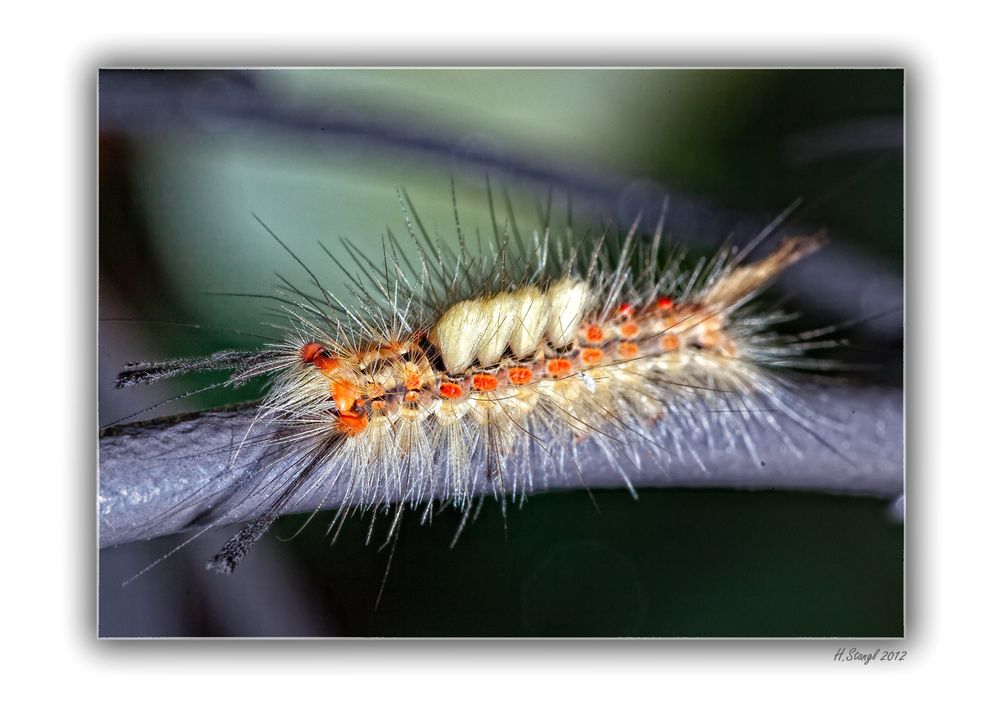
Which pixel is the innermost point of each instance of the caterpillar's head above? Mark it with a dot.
(377, 383)
(344, 384)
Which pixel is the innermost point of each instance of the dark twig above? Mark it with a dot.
(175, 474)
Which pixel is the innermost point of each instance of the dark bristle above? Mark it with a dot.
(236, 548)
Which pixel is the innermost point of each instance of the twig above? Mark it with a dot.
(171, 475)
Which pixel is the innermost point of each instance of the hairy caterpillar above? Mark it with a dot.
(457, 373)
(187, 157)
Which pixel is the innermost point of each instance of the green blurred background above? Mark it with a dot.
(187, 158)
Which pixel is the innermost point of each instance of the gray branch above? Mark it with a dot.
(176, 474)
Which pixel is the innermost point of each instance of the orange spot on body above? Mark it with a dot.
(352, 423)
(591, 356)
(351, 419)
(671, 343)
(519, 375)
(627, 350)
(594, 334)
(665, 303)
(412, 382)
(710, 339)
(629, 330)
(326, 364)
(310, 351)
(484, 382)
(315, 353)
(558, 367)
(378, 405)
(450, 390)
(344, 394)
(374, 390)
(411, 396)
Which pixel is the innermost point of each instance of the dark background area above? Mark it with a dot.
(186, 156)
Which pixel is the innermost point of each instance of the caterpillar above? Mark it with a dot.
(455, 374)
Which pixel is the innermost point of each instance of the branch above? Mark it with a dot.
(176, 474)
